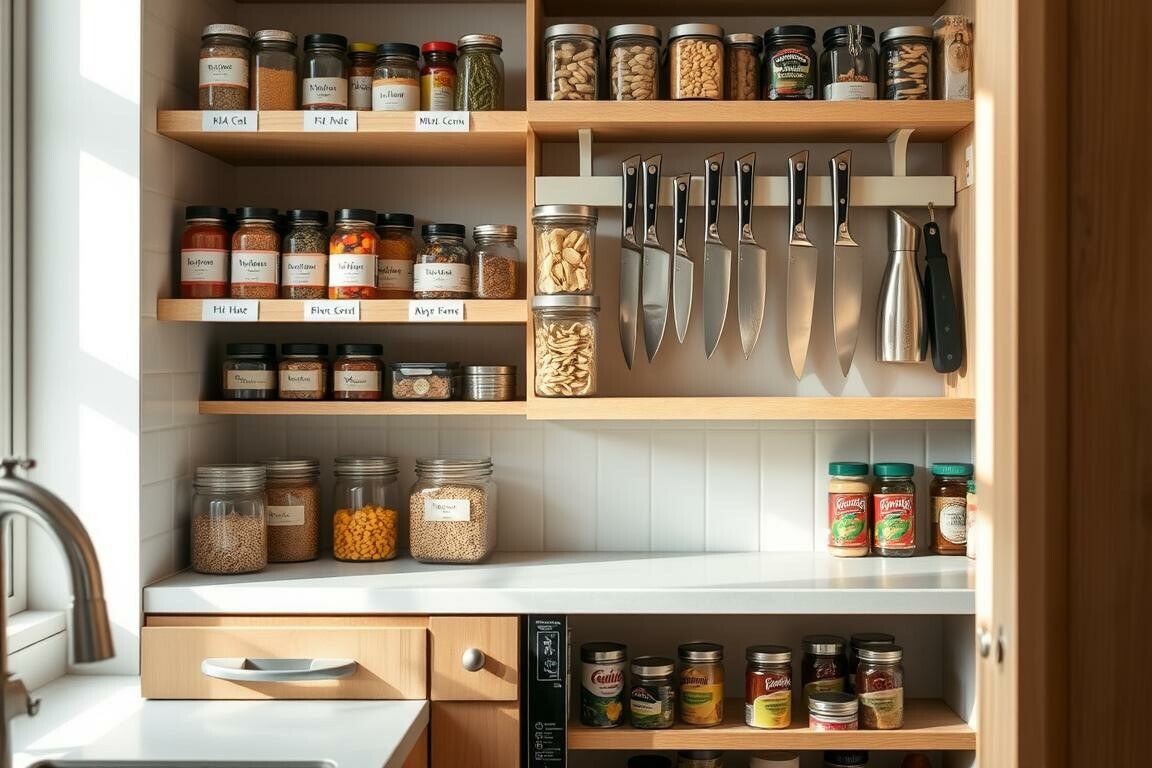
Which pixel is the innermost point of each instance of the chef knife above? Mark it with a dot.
(801, 266)
(630, 255)
(944, 329)
(682, 272)
(752, 263)
(656, 274)
(717, 257)
(847, 264)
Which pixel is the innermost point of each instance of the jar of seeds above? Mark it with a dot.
(229, 534)
(480, 74)
(742, 67)
(293, 511)
(224, 51)
(564, 238)
(325, 83)
(906, 54)
(396, 83)
(452, 511)
(696, 62)
(274, 85)
(303, 371)
(443, 267)
(634, 62)
(304, 261)
(255, 255)
(495, 261)
(571, 62)
(395, 255)
(565, 344)
(848, 66)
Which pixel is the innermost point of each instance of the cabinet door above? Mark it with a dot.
(476, 734)
(491, 643)
(418, 757)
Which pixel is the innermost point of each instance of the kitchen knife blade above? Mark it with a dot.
(630, 256)
(752, 260)
(683, 269)
(801, 266)
(847, 264)
(656, 273)
(717, 257)
(944, 328)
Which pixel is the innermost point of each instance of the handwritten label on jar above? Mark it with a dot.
(325, 92)
(229, 121)
(230, 310)
(435, 311)
(360, 95)
(246, 380)
(304, 269)
(356, 381)
(851, 91)
(223, 70)
(332, 121)
(301, 381)
(352, 270)
(453, 278)
(277, 516)
(447, 510)
(203, 266)
(255, 268)
(395, 95)
(324, 311)
(443, 122)
(394, 274)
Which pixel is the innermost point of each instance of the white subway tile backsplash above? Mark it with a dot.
(678, 490)
(570, 483)
(156, 401)
(623, 491)
(949, 445)
(156, 509)
(786, 501)
(518, 468)
(156, 557)
(908, 445)
(465, 443)
(732, 493)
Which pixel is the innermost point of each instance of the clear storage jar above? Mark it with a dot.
(565, 235)
(480, 74)
(443, 267)
(303, 371)
(204, 253)
(325, 84)
(361, 72)
(366, 500)
(395, 255)
(696, 62)
(425, 381)
(224, 52)
(249, 372)
(565, 344)
(848, 66)
(571, 62)
(742, 65)
(304, 260)
(634, 62)
(358, 372)
(396, 82)
(495, 261)
(229, 531)
(907, 63)
(880, 687)
(274, 86)
(855, 643)
(255, 270)
(453, 511)
(352, 255)
(293, 512)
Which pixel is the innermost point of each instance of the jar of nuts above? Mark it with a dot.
(365, 524)
(564, 238)
(229, 534)
(565, 342)
(572, 62)
(495, 261)
(742, 67)
(293, 511)
(443, 267)
(452, 511)
(634, 62)
(848, 66)
(906, 56)
(224, 50)
(696, 62)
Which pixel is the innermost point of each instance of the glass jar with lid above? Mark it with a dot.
(602, 668)
(255, 270)
(229, 533)
(204, 249)
(366, 500)
(249, 372)
(696, 62)
(565, 344)
(701, 683)
(274, 86)
(495, 262)
(352, 255)
(358, 372)
(855, 643)
(824, 666)
(843, 758)
(395, 255)
(848, 494)
(634, 62)
(303, 371)
(325, 84)
(224, 52)
(480, 74)
(948, 496)
(848, 66)
(565, 235)
(443, 267)
(790, 65)
(396, 82)
(742, 66)
(438, 77)
(293, 511)
(571, 62)
(652, 694)
(361, 72)
(304, 260)
(906, 63)
(880, 686)
(453, 511)
(893, 510)
(833, 711)
(768, 686)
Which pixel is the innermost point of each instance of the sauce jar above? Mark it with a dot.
(768, 687)
(565, 237)
(395, 255)
(652, 697)
(833, 711)
(325, 84)
(790, 64)
(480, 74)
(303, 371)
(358, 372)
(880, 686)
(634, 62)
(565, 344)
(701, 683)
(224, 50)
(824, 667)
(855, 643)
(848, 66)
(571, 62)
(361, 72)
(352, 255)
(893, 510)
(229, 534)
(443, 267)
(906, 61)
(255, 270)
(848, 495)
(948, 496)
(495, 261)
(274, 86)
(696, 62)
(602, 684)
(304, 261)
(973, 511)
(396, 81)
(250, 372)
(204, 253)
(438, 77)
(365, 524)
(742, 64)
(293, 511)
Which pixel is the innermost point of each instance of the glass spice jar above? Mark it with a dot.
(229, 534)
(848, 66)
(833, 711)
(274, 87)
(893, 510)
(480, 74)
(453, 511)
(948, 495)
(634, 62)
(495, 261)
(565, 329)
(571, 62)
(438, 77)
(742, 66)
(303, 371)
(652, 694)
(358, 372)
(361, 73)
(790, 64)
(855, 643)
(224, 51)
(255, 255)
(366, 500)
(602, 684)
(842, 758)
(395, 255)
(880, 686)
(700, 758)
(443, 267)
(824, 666)
(325, 84)
(249, 372)
(848, 495)
(701, 683)
(696, 62)
(204, 253)
(906, 60)
(396, 82)
(304, 260)
(768, 686)
(352, 255)
(293, 511)
(565, 236)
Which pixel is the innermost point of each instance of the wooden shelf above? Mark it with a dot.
(476, 311)
(760, 121)
(753, 408)
(383, 138)
(361, 408)
(929, 724)
(752, 8)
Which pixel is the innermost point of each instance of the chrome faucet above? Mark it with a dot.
(91, 634)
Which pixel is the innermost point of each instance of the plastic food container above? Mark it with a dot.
(425, 381)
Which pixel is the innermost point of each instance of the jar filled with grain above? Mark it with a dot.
(565, 235)
(255, 254)
(571, 62)
(425, 381)
(565, 343)
(395, 255)
(249, 372)
(696, 62)
(325, 84)
(358, 372)
(204, 248)
(352, 255)
(790, 64)
(480, 74)
(848, 66)
(361, 72)
(495, 261)
(229, 533)
(304, 261)
(365, 525)
(443, 267)
(274, 87)
(742, 66)
(396, 81)
(634, 62)
(293, 511)
(906, 61)
(224, 52)
(452, 511)
(303, 371)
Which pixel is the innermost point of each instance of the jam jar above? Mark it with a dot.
(825, 665)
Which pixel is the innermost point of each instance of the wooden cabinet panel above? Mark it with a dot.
(475, 734)
(497, 637)
(418, 757)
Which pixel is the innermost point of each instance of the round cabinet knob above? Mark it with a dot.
(473, 659)
(984, 639)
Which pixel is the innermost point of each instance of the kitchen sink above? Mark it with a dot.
(183, 764)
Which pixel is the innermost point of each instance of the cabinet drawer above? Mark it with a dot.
(496, 637)
(390, 661)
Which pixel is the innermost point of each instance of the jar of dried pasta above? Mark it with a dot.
(565, 344)
(565, 235)
(255, 255)
(571, 62)
(395, 255)
(224, 51)
(444, 265)
(906, 56)
(701, 683)
(696, 62)
(452, 511)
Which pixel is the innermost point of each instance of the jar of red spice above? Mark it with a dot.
(358, 372)
(438, 77)
(204, 253)
(880, 686)
(255, 254)
(352, 255)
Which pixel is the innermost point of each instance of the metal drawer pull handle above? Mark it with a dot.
(247, 670)
(473, 659)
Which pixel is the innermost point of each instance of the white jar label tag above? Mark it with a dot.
(277, 516)
(447, 510)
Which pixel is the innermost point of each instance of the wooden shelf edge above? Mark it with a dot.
(361, 408)
(395, 311)
(188, 121)
(753, 408)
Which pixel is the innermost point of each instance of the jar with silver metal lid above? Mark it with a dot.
(224, 52)
(489, 382)
(452, 511)
(742, 66)
(862, 640)
(880, 686)
(229, 532)
(571, 62)
(293, 512)
(495, 262)
(565, 239)
(634, 62)
(366, 518)
(833, 711)
(696, 62)
(602, 684)
(480, 73)
(652, 693)
(565, 344)
(768, 686)
(274, 84)
(701, 683)
(824, 666)
(906, 63)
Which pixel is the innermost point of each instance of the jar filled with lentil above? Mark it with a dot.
(495, 261)
(696, 62)
(438, 77)
(204, 249)
(366, 500)
(790, 65)
(395, 255)
(880, 686)
(480, 74)
(855, 643)
(634, 62)
(906, 60)
(325, 84)
(824, 667)
(768, 687)
(848, 495)
(303, 371)
(352, 255)
(565, 329)
(565, 235)
(224, 52)
(229, 534)
(250, 372)
(602, 684)
(304, 261)
(361, 73)
(293, 511)
(701, 683)
(652, 694)
(358, 372)
(948, 496)
(396, 82)
(742, 64)
(443, 267)
(833, 711)
(274, 86)
(848, 66)
(571, 62)
(893, 510)
(255, 255)
(453, 511)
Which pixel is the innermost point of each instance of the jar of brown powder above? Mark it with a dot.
(303, 371)
(357, 372)
(274, 85)
(293, 510)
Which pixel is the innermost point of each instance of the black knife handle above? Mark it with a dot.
(840, 167)
(944, 329)
(630, 173)
(797, 192)
(651, 198)
(713, 170)
(680, 209)
(745, 179)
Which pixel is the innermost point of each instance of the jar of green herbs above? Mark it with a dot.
(480, 74)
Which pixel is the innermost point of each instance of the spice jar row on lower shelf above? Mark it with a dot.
(838, 758)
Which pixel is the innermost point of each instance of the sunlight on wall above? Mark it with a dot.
(103, 21)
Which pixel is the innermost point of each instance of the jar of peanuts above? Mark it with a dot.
(365, 524)
(352, 255)
(696, 62)
(565, 342)
(571, 62)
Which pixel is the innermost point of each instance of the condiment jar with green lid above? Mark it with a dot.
(893, 510)
(480, 74)
(848, 494)
(948, 497)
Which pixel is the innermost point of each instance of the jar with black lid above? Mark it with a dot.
(906, 63)
(396, 82)
(249, 372)
(791, 69)
(204, 249)
(358, 372)
(274, 86)
(304, 257)
(303, 371)
(325, 83)
(444, 265)
(255, 272)
(848, 66)
(841, 758)
(825, 666)
(862, 640)
(224, 51)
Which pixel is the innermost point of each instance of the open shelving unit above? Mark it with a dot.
(362, 408)
(393, 311)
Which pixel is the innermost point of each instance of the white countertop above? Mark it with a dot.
(587, 582)
(104, 718)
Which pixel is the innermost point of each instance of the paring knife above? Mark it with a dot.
(752, 264)
(717, 257)
(682, 272)
(847, 264)
(656, 274)
(630, 255)
(944, 329)
(801, 266)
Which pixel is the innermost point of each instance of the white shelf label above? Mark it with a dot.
(443, 122)
(230, 310)
(335, 121)
(323, 311)
(229, 121)
(435, 311)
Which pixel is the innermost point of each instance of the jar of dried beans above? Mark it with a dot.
(229, 534)
(204, 253)
(224, 51)
(564, 238)
(453, 511)
(480, 74)
(565, 344)
(255, 255)
(443, 267)
(304, 262)
(742, 62)
(352, 255)
(361, 70)
(634, 62)
(250, 372)
(274, 85)
(396, 82)
(325, 84)
(358, 372)
(495, 261)
(438, 77)
(696, 62)
(893, 510)
(768, 687)
(906, 60)
(303, 371)
(848, 66)
(293, 511)
(790, 63)
(880, 686)
(571, 62)
(366, 521)
(701, 683)
(395, 255)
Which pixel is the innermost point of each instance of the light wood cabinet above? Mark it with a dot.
(491, 642)
(475, 734)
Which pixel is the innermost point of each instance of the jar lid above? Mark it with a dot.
(835, 703)
(362, 48)
(840, 35)
(692, 30)
(359, 349)
(896, 33)
(256, 214)
(586, 211)
(306, 216)
(212, 212)
(438, 46)
(653, 666)
(790, 30)
(769, 654)
(861, 639)
(226, 29)
(481, 39)
(893, 469)
(845, 759)
(398, 49)
(453, 469)
(423, 369)
(357, 466)
(824, 645)
(313, 350)
(405, 220)
(603, 652)
(364, 215)
(494, 230)
(744, 38)
(230, 477)
(274, 36)
(437, 230)
(700, 754)
(489, 370)
(317, 40)
(952, 469)
(701, 652)
(280, 468)
(848, 468)
(774, 760)
(889, 652)
(634, 30)
(264, 350)
(557, 301)
(971, 485)
(571, 30)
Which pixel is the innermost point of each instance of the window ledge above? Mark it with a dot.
(30, 627)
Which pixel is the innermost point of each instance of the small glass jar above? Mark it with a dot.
(293, 511)
(443, 267)
(893, 510)
(565, 235)
(701, 683)
(438, 77)
(304, 261)
(848, 66)
(480, 74)
(255, 255)
(843, 758)
(833, 711)
(634, 62)
(395, 255)
(973, 507)
(768, 687)
(742, 66)
(396, 82)
(275, 85)
(425, 381)
(224, 51)
(249, 372)
(696, 62)
(495, 261)
(229, 534)
(602, 684)
(366, 500)
(303, 371)
(352, 255)
(791, 68)
(700, 758)
(325, 84)
(848, 495)
(204, 253)
(880, 686)
(571, 62)
(652, 695)
(824, 667)
(358, 372)
(906, 63)
(489, 382)
(361, 72)
(948, 495)
(453, 511)
(855, 643)
(774, 760)
(565, 344)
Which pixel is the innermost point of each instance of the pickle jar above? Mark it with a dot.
(634, 62)
(395, 255)
(495, 261)
(443, 267)
(453, 511)
(948, 496)
(304, 261)
(893, 510)
(480, 74)
(275, 85)
(224, 52)
(250, 372)
(366, 497)
(325, 83)
(293, 511)
(361, 71)
(566, 346)
(696, 62)
(352, 255)
(229, 531)
(571, 62)
(701, 683)
(848, 66)
(565, 235)
(396, 82)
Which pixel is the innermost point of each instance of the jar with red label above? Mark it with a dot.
(848, 495)
(352, 255)
(438, 77)
(894, 510)
(768, 687)
(204, 253)
(833, 711)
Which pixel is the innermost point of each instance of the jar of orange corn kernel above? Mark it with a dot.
(365, 524)
(352, 255)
